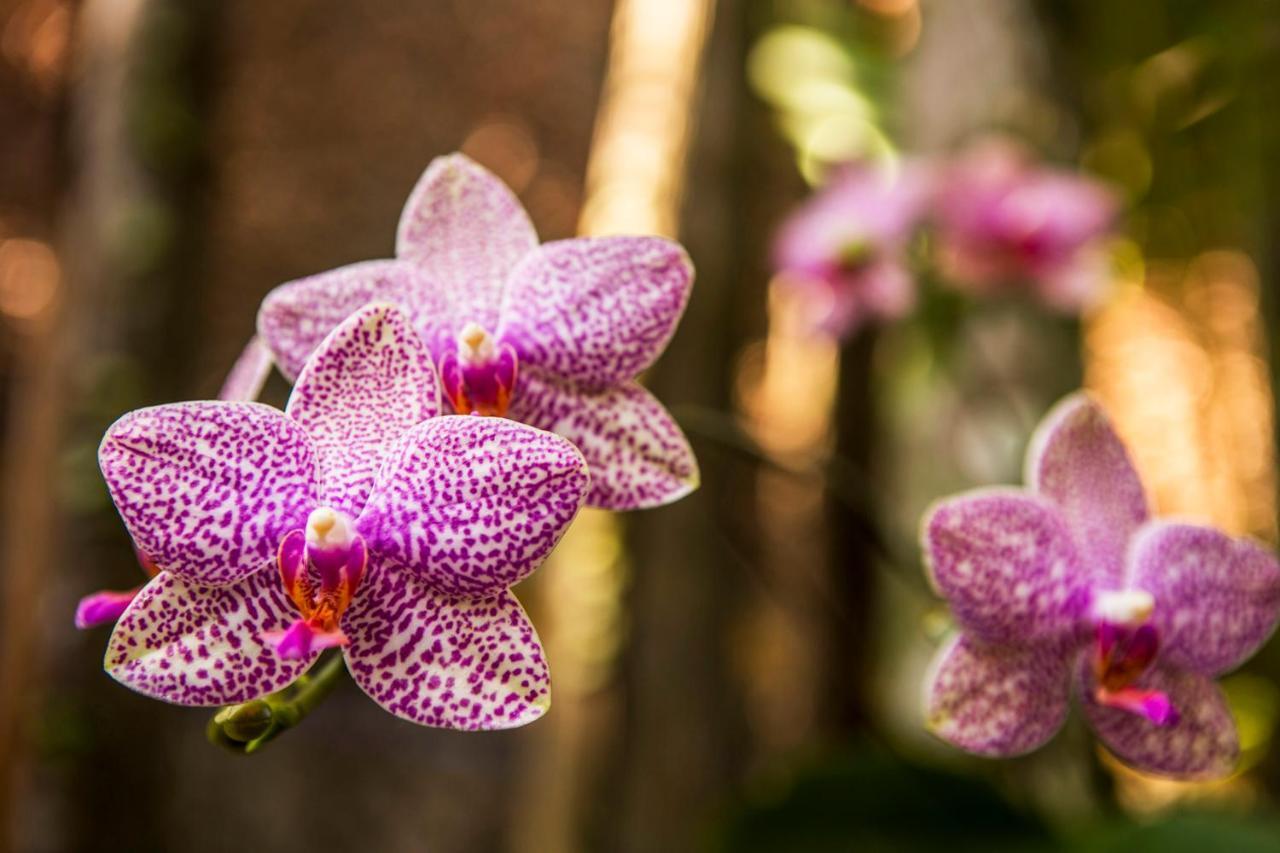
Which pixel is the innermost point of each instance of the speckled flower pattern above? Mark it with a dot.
(473, 505)
(581, 318)
(207, 489)
(629, 441)
(1070, 584)
(453, 510)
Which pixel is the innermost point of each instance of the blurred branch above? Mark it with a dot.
(248, 727)
(840, 476)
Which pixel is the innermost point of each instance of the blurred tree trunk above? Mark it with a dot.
(685, 742)
(852, 528)
(33, 99)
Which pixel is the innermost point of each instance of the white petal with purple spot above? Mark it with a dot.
(298, 315)
(472, 504)
(369, 382)
(465, 231)
(596, 310)
(207, 489)
(448, 661)
(196, 645)
(638, 456)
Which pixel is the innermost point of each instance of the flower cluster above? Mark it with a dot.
(1000, 223)
(551, 335)
(1070, 582)
(452, 410)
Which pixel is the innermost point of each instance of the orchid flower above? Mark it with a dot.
(844, 248)
(1003, 222)
(244, 382)
(552, 335)
(355, 518)
(1070, 581)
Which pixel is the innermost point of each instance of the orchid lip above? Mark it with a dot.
(321, 567)
(479, 375)
(1124, 652)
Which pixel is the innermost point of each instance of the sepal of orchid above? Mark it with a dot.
(103, 607)
(479, 376)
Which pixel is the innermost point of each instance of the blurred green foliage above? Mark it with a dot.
(865, 798)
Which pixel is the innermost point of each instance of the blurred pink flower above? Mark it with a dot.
(844, 247)
(1070, 586)
(1003, 221)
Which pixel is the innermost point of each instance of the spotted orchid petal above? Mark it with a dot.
(1005, 561)
(596, 310)
(441, 660)
(997, 701)
(195, 645)
(473, 505)
(298, 315)
(1201, 744)
(368, 382)
(208, 489)
(1217, 598)
(1077, 461)
(638, 456)
(465, 231)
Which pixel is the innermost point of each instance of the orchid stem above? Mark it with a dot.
(247, 727)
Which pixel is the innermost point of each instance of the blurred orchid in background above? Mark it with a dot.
(552, 335)
(396, 534)
(844, 249)
(1070, 581)
(1000, 223)
(1005, 222)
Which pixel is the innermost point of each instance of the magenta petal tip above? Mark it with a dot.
(102, 608)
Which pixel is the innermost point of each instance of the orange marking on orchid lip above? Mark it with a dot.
(320, 604)
(1123, 653)
(297, 582)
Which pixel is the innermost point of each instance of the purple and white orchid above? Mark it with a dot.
(1004, 222)
(552, 335)
(1071, 581)
(358, 518)
(843, 249)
